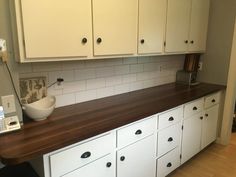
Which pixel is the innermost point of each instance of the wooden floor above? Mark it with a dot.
(215, 161)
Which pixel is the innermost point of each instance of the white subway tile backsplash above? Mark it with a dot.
(86, 96)
(66, 99)
(83, 74)
(93, 79)
(96, 83)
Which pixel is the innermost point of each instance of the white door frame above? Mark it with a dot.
(230, 96)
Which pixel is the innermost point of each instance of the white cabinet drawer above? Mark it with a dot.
(168, 139)
(135, 132)
(75, 157)
(168, 163)
(193, 107)
(170, 117)
(212, 100)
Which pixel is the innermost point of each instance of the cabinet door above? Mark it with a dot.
(57, 28)
(198, 25)
(178, 18)
(209, 129)
(115, 26)
(137, 160)
(191, 139)
(152, 17)
(103, 167)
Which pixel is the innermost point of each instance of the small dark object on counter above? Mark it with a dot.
(20, 170)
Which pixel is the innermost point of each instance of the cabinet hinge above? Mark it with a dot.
(182, 127)
(180, 156)
(164, 43)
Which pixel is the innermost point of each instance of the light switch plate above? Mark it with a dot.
(8, 103)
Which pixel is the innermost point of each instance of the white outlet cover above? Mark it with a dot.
(8, 103)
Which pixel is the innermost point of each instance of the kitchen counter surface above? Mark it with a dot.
(71, 124)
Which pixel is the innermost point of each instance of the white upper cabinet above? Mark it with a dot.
(187, 22)
(56, 29)
(115, 27)
(178, 17)
(199, 25)
(152, 19)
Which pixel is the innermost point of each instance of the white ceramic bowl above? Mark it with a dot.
(41, 109)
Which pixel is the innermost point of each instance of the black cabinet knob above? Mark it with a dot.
(108, 164)
(201, 117)
(186, 41)
(84, 40)
(206, 115)
(99, 40)
(194, 108)
(192, 42)
(213, 101)
(138, 132)
(171, 119)
(170, 139)
(122, 158)
(169, 165)
(86, 155)
(142, 41)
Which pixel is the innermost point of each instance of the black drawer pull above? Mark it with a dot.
(138, 132)
(108, 164)
(213, 101)
(171, 119)
(84, 40)
(142, 41)
(194, 108)
(86, 155)
(206, 115)
(99, 40)
(122, 158)
(201, 117)
(170, 139)
(169, 165)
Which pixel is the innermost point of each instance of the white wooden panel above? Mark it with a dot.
(135, 132)
(209, 130)
(170, 117)
(115, 22)
(168, 163)
(56, 28)
(152, 20)
(168, 139)
(178, 19)
(139, 159)
(199, 25)
(70, 159)
(98, 168)
(191, 139)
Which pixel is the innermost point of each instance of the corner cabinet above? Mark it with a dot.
(151, 147)
(187, 24)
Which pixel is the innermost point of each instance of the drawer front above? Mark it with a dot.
(168, 139)
(170, 118)
(75, 157)
(136, 131)
(212, 100)
(193, 108)
(168, 163)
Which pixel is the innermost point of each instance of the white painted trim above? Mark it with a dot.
(230, 96)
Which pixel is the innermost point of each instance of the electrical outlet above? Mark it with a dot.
(8, 103)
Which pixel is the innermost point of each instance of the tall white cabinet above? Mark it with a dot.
(152, 18)
(56, 29)
(187, 23)
(115, 27)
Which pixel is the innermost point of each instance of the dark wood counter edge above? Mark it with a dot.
(71, 124)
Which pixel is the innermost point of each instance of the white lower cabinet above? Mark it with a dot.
(138, 159)
(191, 138)
(168, 163)
(104, 167)
(154, 146)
